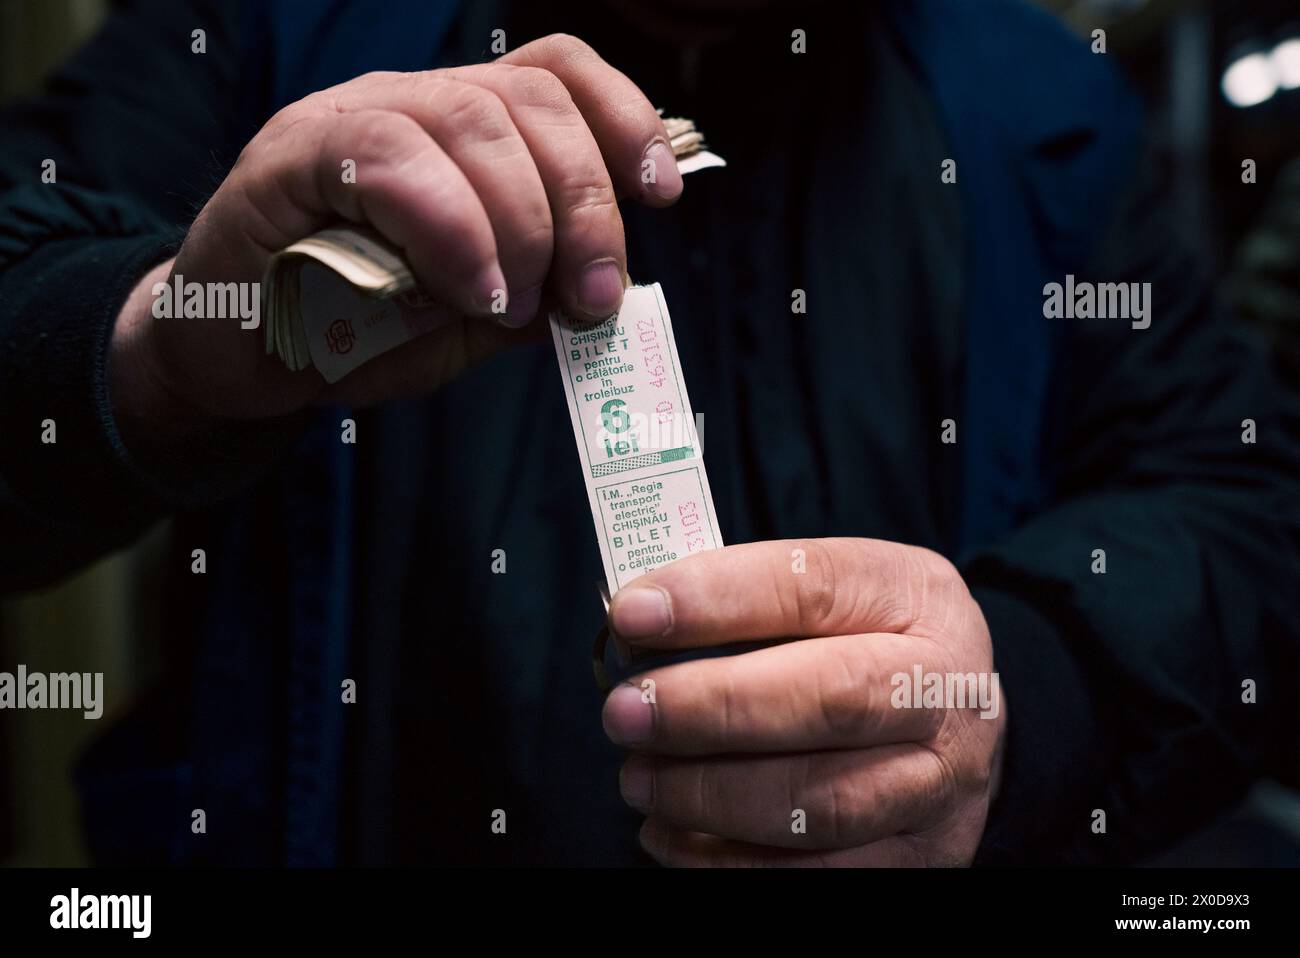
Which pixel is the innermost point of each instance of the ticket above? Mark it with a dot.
(637, 438)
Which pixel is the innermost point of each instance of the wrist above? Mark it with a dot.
(146, 409)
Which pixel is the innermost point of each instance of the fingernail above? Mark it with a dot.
(490, 292)
(641, 612)
(522, 308)
(659, 171)
(628, 718)
(600, 288)
(636, 782)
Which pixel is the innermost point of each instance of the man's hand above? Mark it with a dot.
(797, 754)
(495, 177)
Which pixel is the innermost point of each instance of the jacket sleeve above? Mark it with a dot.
(1154, 692)
(101, 172)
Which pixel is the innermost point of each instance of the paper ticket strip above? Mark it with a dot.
(636, 436)
(343, 296)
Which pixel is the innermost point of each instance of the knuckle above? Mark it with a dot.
(725, 708)
(941, 783)
(293, 113)
(381, 138)
(535, 226)
(538, 87)
(843, 801)
(815, 590)
(465, 109)
(846, 697)
(568, 47)
(588, 199)
(351, 95)
(933, 568)
(250, 155)
(941, 588)
(270, 139)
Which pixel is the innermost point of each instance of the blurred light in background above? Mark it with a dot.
(1251, 79)
(1286, 60)
(1256, 73)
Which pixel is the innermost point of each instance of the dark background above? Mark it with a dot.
(1175, 53)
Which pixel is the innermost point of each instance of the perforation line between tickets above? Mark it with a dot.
(643, 460)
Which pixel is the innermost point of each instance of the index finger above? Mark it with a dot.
(627, 127)
(796, 588)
